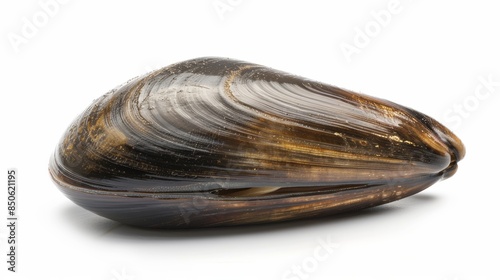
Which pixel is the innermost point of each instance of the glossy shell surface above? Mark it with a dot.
(217, 142)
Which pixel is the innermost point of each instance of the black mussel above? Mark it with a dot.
(218, 142)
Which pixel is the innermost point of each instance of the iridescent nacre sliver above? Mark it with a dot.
(218, 142)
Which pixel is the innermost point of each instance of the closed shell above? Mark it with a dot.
(216, 142)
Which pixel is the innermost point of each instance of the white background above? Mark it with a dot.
(430, 55)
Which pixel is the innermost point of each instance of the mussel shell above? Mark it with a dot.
(216, 142)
